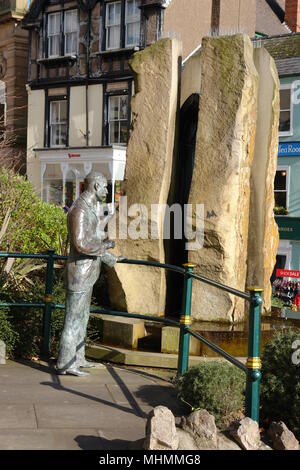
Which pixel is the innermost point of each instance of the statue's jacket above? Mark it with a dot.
(87, 248)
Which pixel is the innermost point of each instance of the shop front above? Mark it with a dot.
(63, 171)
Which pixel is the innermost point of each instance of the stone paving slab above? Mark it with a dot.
(17, 416)
(106, 410)
(45, 439)
(84, 415)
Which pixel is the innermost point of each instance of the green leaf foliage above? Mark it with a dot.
(34, 226)
(215, 386)
(280, 387)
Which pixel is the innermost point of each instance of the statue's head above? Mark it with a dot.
(96, 183)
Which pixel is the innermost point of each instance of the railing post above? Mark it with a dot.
(48, 304)
(253, 361)
(185, 320)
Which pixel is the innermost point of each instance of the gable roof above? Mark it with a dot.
(270, 17)
(277, 9)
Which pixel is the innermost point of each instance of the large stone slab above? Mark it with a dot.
(263, 231)
(120, 331)
(221, 178)
(170, 341)
(148, 174)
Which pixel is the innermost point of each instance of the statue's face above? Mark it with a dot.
(100, 189)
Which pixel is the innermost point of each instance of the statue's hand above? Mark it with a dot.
(108, 244)
(121, 258)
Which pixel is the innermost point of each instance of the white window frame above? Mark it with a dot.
(136, 19)
(51, 35)
(3, 100)
(112, 25)
(290, 132)
(285, 249)
(287, 170)
(119, 120)
(70, 32)
(57, 123)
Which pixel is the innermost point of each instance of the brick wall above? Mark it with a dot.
(292, 14)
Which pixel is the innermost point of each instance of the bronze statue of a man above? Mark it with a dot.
(87, 251)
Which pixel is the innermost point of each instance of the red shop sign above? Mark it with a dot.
(287, 273)
(73, 155)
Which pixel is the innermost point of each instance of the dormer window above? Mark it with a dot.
(62, 33)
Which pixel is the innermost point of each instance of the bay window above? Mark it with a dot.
(113, 25)
(54, 35)
(62, 33)
(122, 24)
(132, 23)
(71, 31)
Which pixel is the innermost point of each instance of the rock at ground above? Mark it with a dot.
(186, 440)
(203, 427)
(281, 437)
(246, 433)
(161, 433)
(225, 443)
(263, 235)
(221, 176)
(2, 352)
(149, 165)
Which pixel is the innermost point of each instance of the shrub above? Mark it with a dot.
(7, 332)
(280, 387)
(215, 386)
(30, 224)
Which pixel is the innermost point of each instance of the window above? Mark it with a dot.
(113, 25)
(132, 23)
(122, 24)
(285, 122)
(54, 35)
(70, 30)
(62, 42)
(117, 119)
(58, 123)
(281, 187)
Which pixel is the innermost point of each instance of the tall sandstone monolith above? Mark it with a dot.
(148, 175)
(221, 178)
(263, 231)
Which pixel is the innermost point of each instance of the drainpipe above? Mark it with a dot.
(88, 42)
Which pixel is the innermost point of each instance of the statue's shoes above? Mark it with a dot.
(73, 371)
(86, 364)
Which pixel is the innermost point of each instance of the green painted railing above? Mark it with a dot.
(253, 365)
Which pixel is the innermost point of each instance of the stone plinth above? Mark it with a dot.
(170, 341)
(123, 332)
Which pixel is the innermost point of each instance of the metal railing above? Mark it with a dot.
(252, 368)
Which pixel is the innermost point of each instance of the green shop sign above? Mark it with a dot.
(289, 228)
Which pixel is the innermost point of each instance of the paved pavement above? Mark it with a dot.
(106, 410)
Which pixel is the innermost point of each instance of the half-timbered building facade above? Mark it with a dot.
(79, 88)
